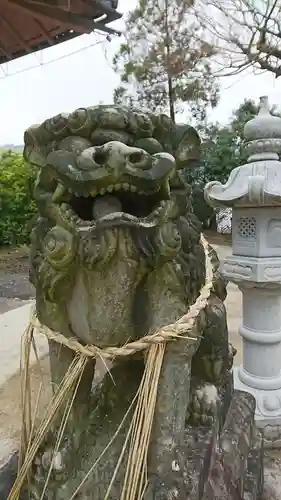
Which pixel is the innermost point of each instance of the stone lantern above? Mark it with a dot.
(253, 191)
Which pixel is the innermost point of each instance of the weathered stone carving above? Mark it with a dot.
(115, 254)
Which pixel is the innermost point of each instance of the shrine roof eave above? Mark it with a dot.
(27, 26)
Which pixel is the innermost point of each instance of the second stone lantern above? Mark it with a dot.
(253, 191)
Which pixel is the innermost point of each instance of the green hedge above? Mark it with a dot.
(17, 206)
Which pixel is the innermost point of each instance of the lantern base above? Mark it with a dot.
(268, 409)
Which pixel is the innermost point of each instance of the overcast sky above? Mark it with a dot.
(83, 76)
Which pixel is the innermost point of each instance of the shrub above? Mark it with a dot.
(17, 206)
(221, 153)
(202, 210)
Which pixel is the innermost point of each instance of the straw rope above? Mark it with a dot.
(145, 400)
(163, 334)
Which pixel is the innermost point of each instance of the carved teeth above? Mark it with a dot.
(165, 189)
(59, 192)
(163, 192)
(113, 187)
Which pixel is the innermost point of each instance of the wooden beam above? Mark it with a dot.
(50, 3)
(81, 23)
(44, 31)
(111, 13)
(96, 5)
(50, 13)
(6, 52)
(16, 34)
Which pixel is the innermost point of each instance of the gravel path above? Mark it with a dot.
(15, 288)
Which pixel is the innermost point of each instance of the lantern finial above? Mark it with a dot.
(262, 134)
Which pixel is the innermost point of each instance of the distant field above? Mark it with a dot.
(11, 147)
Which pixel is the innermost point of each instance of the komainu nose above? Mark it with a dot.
(119, 157)
(100, 156)
(139, 159)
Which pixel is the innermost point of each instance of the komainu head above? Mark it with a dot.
(108, 166)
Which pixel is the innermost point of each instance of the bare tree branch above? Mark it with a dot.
(245, 32)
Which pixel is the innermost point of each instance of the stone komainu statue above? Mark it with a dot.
(116, 254)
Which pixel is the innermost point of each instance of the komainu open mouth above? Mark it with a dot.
(119, 204)
(111, 185)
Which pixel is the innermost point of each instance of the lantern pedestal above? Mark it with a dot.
(259, 280)
(253, 191)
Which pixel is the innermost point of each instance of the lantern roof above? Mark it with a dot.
(27, 26)
(258, 182)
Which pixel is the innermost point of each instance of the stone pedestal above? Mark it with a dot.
(260, 330)
(253, 191)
